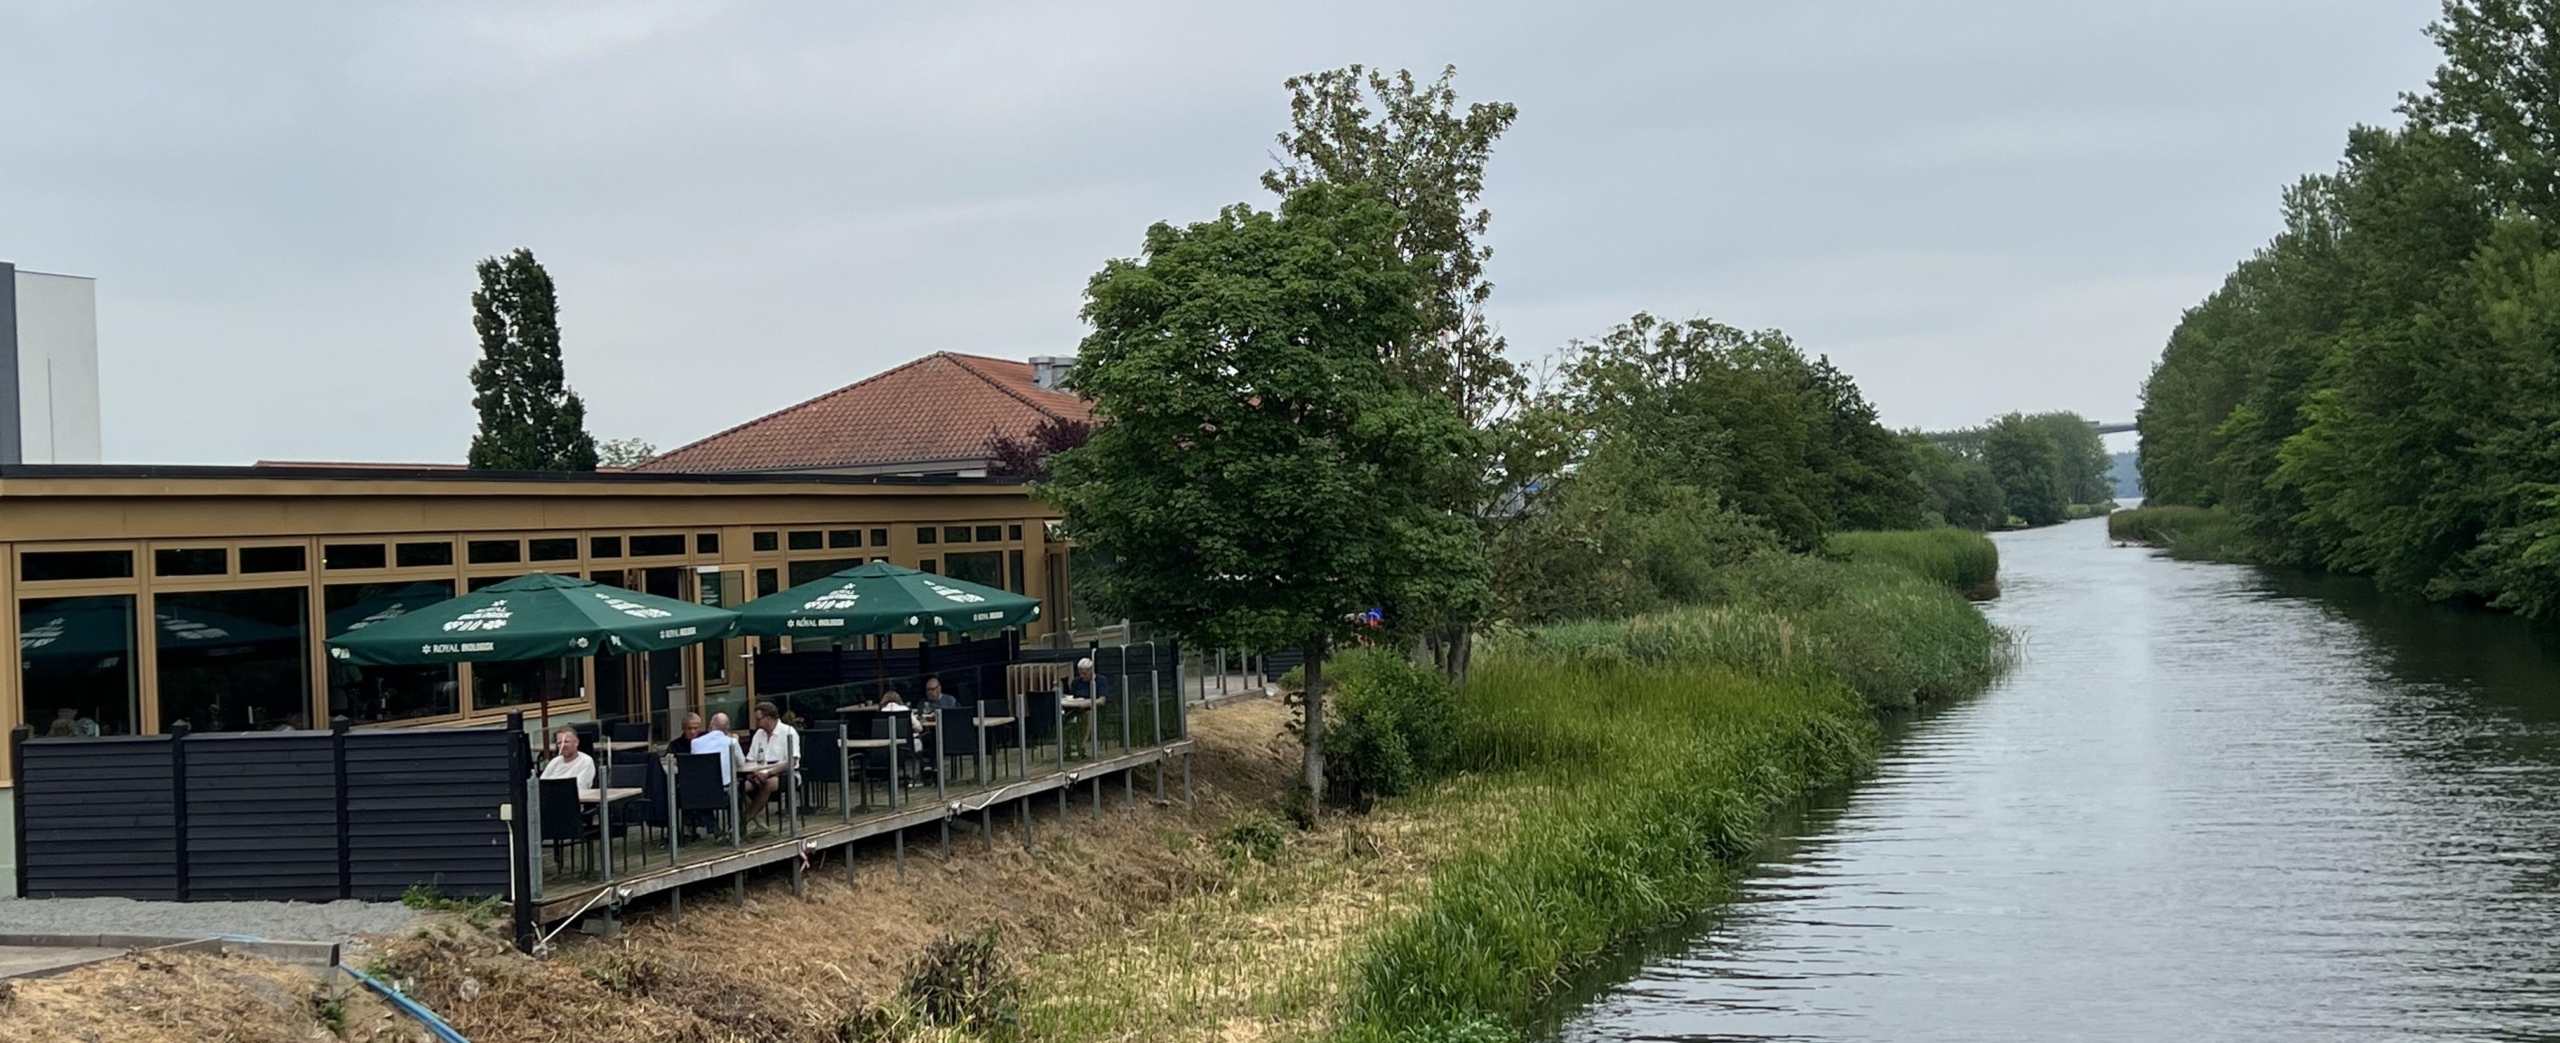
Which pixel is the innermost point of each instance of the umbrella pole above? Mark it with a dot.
(879, 667)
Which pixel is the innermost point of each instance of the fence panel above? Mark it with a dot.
(96, 817)
(262, 816)
(422, 808)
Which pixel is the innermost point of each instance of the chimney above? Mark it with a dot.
(1047, 371)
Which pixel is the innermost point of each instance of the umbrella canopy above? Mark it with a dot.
(880, 598)
(540, 616)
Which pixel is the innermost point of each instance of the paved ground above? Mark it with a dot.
(282, 921)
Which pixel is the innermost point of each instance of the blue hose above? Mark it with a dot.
(410, 1007)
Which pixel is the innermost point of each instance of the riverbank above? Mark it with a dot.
(2187, 533)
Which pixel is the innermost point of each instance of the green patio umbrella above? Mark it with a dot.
(539, 616)
(880, 598)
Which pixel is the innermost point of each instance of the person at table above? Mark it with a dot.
(936, 698)
(1091, 687)
(567, 763)
(892, 702)
(774, 746)
(699, 739)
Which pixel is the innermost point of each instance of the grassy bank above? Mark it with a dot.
(1646, 755)
(1960, 558)
(2195, 533)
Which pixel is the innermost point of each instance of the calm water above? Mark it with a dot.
(2212, 803)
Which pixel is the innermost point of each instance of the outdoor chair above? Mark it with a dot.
(631, 731)
(630, 773)
(1040, 722)
(881, 764)
(959, 729)
(998, 738)
(821, 766)
(700, 791)
(564, 819)
(648, 811)
(590, 737)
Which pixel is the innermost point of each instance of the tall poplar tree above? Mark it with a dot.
(529, 419)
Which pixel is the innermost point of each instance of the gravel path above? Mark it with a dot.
(279, 921)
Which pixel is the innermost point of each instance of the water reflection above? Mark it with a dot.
(2211, 802)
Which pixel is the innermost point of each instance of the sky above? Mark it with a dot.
(1972, 207)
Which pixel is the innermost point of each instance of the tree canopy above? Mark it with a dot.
(529, 419)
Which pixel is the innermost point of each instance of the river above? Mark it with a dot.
(2211, 803)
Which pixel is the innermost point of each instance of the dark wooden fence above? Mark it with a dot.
(270, 815)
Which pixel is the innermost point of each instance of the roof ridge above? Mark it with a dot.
(807, 402)
(961, 361)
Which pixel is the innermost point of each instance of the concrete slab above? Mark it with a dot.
(37, 961)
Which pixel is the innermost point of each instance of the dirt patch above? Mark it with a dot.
(192, 998)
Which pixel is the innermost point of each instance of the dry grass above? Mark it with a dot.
(189, 998)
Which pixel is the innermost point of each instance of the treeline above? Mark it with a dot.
(2377, 390)
(2023, 469)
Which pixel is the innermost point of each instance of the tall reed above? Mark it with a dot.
(1959, 558)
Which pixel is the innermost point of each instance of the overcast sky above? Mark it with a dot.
(1973, 207)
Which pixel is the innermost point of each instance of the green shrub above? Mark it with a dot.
(1257, 837)
(2195, 533)
(1965, 560)
(1391, 726)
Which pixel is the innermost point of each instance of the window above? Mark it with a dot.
(190, 561)
(274, 559)
(44, 566)
(928, 565)
(993, 533)
(494, 552)
(657, 546)
(354, 556)
(807, 571)
(1019, 586)
(767, 581)
(477, 584)
(924, 534)
(425, 555)
(556, 548)
(766, 541)
(234, 660)
(984, 568)
(76, 657)
(1013, 532)
(879, 537)
(706, 543)
(523, 683)
(604, 546)
(838, 538)
(810, 539)
(369, 694)
(955, 534)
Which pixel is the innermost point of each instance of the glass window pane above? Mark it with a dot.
(809, 540)
(604, 547)
(366, 694)
(767, 582)
(494, 552)
(955, 534)
(1013, 532)
(765, 541)
(929, 565)
(1014, 559)
(839, 538)
(924, 534)
(657, 546)
(274, 559)
(805, 571)
(984, 568)
(234, 660)
(879, 537)
(495, 685)
(76, 663)
(39, 566)
(990, 533)
(477, 584)
(426, 555)
(190, 561)
(354, 556)
(706, 543)
(557, 548)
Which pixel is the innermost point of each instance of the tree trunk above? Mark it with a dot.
(1315, 727)
(1462, 653)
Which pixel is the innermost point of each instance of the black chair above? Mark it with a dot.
(590, 737)
(883, 763)
(821, 766)
(648, 811)
(564, 819)
(631, 731)
(959, 731)
(1040, 721)
(701, 793)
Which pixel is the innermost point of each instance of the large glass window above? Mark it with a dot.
(496, 685)
(385, 693)
(804, 571)
(45, 565)
(425, 555)
(984, 568)
(234, 660)
(190, 561)
(76, 657)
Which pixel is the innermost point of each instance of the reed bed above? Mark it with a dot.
(1960, 558)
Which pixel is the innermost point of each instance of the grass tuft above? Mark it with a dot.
(1960, 558)
(2192, 533)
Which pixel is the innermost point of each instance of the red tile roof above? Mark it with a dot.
(940, 407)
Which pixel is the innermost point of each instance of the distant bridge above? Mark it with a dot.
(2105, 428)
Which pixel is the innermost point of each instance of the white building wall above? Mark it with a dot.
(57, 368)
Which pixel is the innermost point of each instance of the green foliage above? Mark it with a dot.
(429, 896)
(2028, 464)
(1395, 726)
(1256, 475)
(1964, 560)
(1256, 837)
(963, 982)
(2197, 533)
(624, 452)
(529, 419)
(2378, 390)
(1957, 489)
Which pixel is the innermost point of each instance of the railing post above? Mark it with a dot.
(18, 797)
(1155, 718)
(346, 844)
(520, 823)
(178, 799)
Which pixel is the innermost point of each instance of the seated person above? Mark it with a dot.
(567, 763)
(891, 702)
(66, 722)
(772, 743)
(714, 739)
(1089, 686)
(936, 698)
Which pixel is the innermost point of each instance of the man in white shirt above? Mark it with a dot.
(772, 750)
(568, 763)
(716, 739)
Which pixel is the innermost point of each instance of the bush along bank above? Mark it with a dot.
(2193, 533)
(1655, 749)
(1960, 558)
